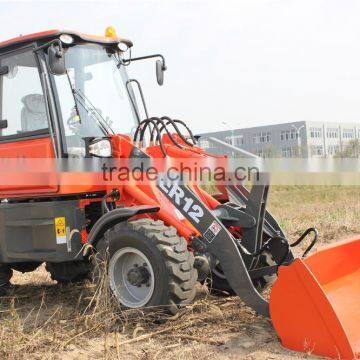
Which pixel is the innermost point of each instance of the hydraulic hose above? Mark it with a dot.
(163, 126)
(173, 123)
(115, 195)
(176, 128)
(141, 129)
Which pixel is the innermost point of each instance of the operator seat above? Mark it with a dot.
(33, 114)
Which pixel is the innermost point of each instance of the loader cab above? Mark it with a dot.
(44, 114)
(54, 114)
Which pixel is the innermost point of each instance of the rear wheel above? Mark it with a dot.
(5, 276)
(69, 271)
(25, 267)
(149, 265)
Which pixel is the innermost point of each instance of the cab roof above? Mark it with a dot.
(49, 35)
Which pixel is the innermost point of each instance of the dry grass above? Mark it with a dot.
(43, 320)
(334, 210)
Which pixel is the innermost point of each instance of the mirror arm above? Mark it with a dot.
(150, 57)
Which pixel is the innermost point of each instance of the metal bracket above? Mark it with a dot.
(231, 216)
(219, 243)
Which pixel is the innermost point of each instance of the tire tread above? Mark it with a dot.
(178, 259)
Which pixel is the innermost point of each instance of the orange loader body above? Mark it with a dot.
(315, 301)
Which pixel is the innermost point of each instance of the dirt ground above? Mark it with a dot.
(43, 320)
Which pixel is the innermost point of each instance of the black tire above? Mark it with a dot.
(220, 285)
(25, 267)
(69, 271)
(5, 276)
(173, 265)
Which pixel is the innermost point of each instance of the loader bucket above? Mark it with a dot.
(315, 302)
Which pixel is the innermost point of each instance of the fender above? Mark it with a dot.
(114, 217)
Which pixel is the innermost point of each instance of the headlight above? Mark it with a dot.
(66, 39)
(100, 148)
(122, 46)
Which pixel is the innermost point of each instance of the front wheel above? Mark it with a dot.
(220, 285)
(149, 265)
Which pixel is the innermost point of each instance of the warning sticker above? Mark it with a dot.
(212, 231)
(60, 230)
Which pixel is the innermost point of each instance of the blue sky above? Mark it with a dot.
(241, 62)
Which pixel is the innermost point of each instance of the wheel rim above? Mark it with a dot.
(131, 277)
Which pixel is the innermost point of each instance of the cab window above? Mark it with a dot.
(22, 99)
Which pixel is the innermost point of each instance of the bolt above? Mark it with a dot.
(144, 264)
(136, 265)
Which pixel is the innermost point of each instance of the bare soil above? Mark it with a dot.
(41, 319)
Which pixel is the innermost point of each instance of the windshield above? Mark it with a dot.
(93, 97)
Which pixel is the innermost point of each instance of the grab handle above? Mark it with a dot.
(303, 236)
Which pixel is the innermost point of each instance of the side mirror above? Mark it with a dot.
(160, 68)
(4, 70)
(56, 60)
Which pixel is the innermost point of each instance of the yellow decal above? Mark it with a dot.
(60, 230)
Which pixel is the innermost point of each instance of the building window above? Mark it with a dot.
(332, 133)
(317, 150)
(315, 132)
(288, 152)
(263, 137)
(265, 153)
(333, 149)
(348, 134)
(205, 144)
(237, 140)
(268, 137)
(288, 135)
(293, 134)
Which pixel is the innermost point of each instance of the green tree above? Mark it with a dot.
(351, 150)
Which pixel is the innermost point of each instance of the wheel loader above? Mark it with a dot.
(66, 95)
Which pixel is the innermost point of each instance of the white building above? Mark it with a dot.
(301, 138)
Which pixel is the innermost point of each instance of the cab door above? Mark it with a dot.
(24, 125)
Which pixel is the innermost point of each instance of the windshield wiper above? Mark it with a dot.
(93, 111)
(81, 98)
